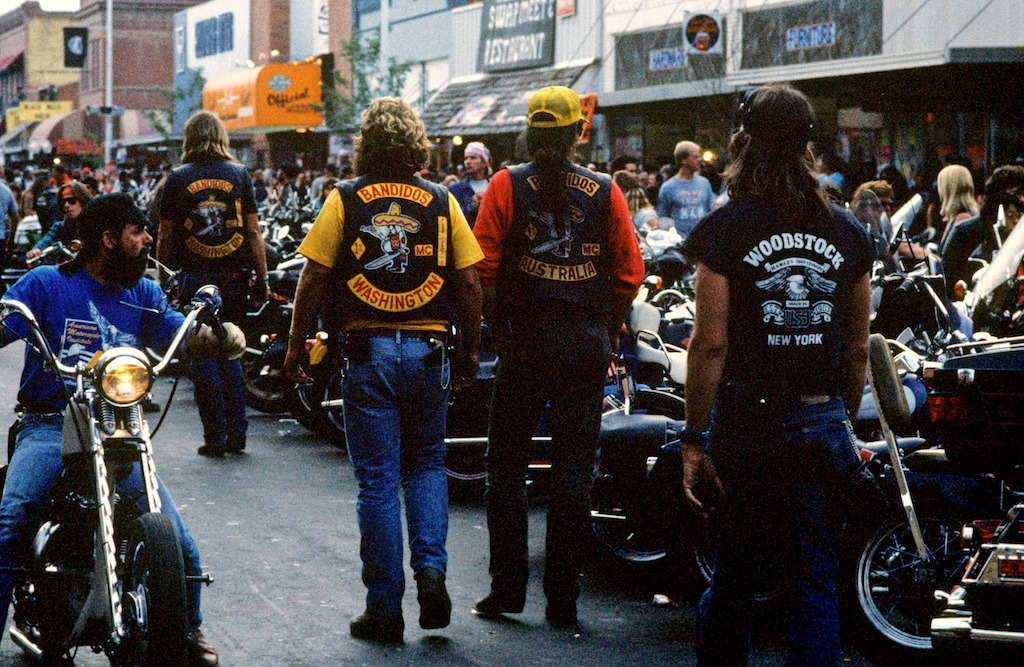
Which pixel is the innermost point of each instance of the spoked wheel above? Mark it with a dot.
(465, 459)
(634, 532)
(891, 604)
(154, 603)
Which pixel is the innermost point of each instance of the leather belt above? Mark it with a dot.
(396, 334)
(814, 400)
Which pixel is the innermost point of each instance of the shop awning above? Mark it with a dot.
(491, 105)
(80, 133)
(14, 140)
(272, 98)
(39, 140)
(14, 58)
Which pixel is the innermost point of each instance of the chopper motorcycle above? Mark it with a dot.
(105, 568)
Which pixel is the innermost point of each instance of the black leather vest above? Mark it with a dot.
(396, 257)
(543, 263)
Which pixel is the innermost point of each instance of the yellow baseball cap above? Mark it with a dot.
(553, 106)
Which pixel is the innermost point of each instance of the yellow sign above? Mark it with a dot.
(33, 112)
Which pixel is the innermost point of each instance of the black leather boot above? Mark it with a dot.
(432, 594)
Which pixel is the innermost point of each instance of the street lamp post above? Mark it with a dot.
(108, 96)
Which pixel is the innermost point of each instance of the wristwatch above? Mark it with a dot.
(691, 436)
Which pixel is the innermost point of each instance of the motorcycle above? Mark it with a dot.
(975, 401)
(896, 559)
(266, 334)
(57, 253)
(105, 570)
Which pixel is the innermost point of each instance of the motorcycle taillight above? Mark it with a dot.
(1012, 567)
(985, 529)
(947, 408)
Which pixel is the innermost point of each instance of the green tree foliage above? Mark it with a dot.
(343, 102)
(191, 93)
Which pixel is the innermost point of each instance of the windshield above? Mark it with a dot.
(868, 209)
(904, 216)
(1004, 265)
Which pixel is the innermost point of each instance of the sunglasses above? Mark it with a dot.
(68, 200)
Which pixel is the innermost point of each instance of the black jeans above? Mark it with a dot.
(562, 363)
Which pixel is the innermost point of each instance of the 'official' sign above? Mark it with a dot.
(516, 34)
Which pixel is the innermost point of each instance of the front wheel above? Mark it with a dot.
(890, 600)
(153, 594)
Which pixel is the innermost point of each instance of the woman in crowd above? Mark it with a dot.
(956, 197)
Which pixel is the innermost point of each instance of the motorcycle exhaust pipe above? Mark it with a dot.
(25, 644)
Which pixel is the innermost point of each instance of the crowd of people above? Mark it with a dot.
(406, 263)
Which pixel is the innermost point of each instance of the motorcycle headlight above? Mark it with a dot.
(124, 376)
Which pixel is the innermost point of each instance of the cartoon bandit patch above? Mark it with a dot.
(391, 229)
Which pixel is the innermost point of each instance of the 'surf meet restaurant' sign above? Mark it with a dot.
(516, 34)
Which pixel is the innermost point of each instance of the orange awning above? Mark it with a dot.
(271, 98)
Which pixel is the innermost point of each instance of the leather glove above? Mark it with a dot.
(203, 343)
(232, 346)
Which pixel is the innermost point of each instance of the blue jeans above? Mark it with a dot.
(35, 467)
(219, 383)
(395, 408)
(784, 480)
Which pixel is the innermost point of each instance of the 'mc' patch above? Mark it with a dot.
(424, 250)
(591, 249)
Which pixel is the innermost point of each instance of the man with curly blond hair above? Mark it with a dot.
(397, 256)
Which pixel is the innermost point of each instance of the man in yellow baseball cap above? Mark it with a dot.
(561, 263)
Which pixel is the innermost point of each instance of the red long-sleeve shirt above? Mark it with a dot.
(626, 266)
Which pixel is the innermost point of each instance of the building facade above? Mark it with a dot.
(896, 82)
(231, 56)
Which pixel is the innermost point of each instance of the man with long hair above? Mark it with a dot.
(396, 256)
(469, 189)
(775, 370)
(209, 229)
(562, 267)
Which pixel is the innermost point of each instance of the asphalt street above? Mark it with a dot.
(277, 530)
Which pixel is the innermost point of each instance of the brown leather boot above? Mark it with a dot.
(200, 651)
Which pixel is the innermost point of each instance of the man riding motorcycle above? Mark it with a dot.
(97, 301)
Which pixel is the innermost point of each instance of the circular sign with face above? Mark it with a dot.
(702, 32)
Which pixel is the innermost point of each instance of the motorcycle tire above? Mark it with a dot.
(153, 586)
(307, 409)
(887, 590)
(627, 524)
(263, 393)
(772, 573)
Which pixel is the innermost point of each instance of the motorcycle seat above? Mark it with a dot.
(643, 317)
(669, 357)
(905, 445)
(933, 460)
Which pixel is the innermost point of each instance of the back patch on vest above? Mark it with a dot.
(392, 230)
(395, 302)
(210, 219)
